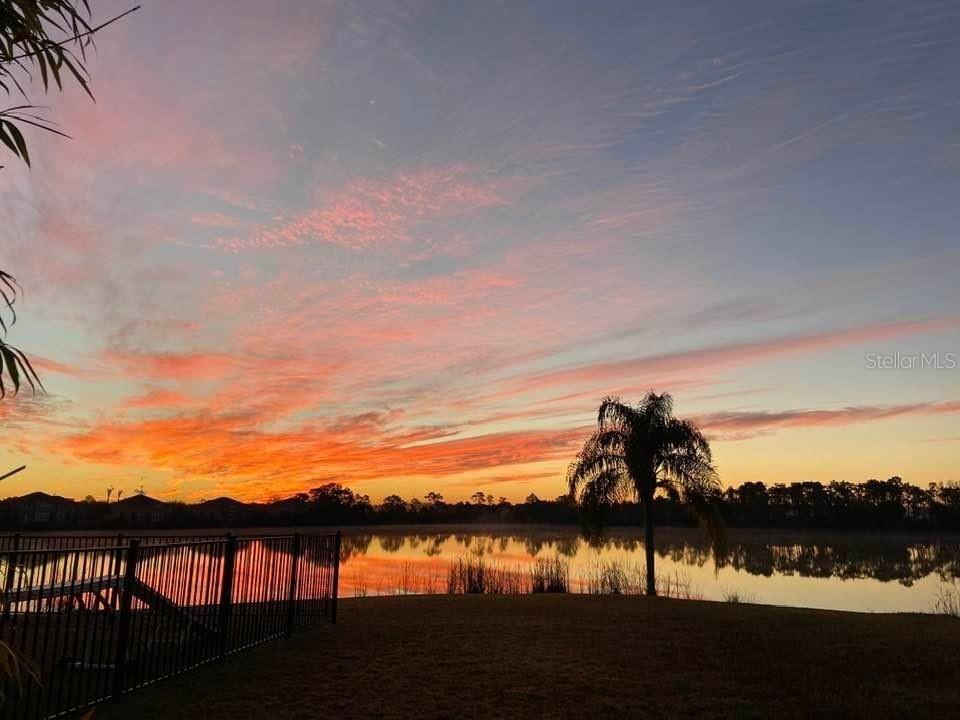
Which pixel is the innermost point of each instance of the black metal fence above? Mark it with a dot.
(90, 618)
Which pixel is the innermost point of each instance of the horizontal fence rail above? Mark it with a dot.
(89, 618)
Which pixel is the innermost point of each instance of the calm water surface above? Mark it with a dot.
(865, 572)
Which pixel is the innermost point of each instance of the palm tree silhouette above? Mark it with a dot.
(638, 451)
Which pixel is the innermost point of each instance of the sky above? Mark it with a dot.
(408, 247)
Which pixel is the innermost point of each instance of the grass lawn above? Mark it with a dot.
(577, 656)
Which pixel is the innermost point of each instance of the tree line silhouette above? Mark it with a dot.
(890, 504)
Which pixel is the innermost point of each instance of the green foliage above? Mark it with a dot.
(43, 40)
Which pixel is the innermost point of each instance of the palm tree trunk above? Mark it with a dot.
(648, 545)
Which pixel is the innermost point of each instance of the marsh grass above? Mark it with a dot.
(677, 585)
(612, 577)
(736, 597)
(948, 601)
(550, 575)
(473, 575)
(360, 588)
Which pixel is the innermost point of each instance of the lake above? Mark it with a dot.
(871, 572)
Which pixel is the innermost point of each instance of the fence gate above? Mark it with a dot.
(88, 618)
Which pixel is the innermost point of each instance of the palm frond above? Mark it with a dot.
(13, 362)
(605, 488)
(586, 468)
(645, 448)
(614, 413)
(700, 500)
(598, 466)
(658, 408)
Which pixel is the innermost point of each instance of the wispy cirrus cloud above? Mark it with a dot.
(170, 365)
(724, 357)
(743, 425)
(159, 398)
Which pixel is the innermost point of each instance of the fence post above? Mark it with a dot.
(123, 631)
(336, 577)
(11, 573)
(226, 591)
(292, 598)
(117, 559)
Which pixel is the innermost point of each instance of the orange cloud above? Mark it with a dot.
(256, 464)
(170, 365)
(158, 398)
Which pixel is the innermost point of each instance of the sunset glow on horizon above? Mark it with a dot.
(408, 247)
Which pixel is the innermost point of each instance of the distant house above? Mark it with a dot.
(140, 510)
(38, 509)
(221, 511)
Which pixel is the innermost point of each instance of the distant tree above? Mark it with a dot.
(434, 498)
(395, 501)
(532, 499)
(89, 499)
(394, 505)
(479, 497)
(332, 494)
(640, 451)
(109, 493)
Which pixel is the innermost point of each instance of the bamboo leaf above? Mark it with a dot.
(12, 370)
(21, 143)
(6, 139)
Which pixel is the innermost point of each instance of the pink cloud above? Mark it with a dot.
(724, 357)
(44, 365)
(382, 212)
(743, 425)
